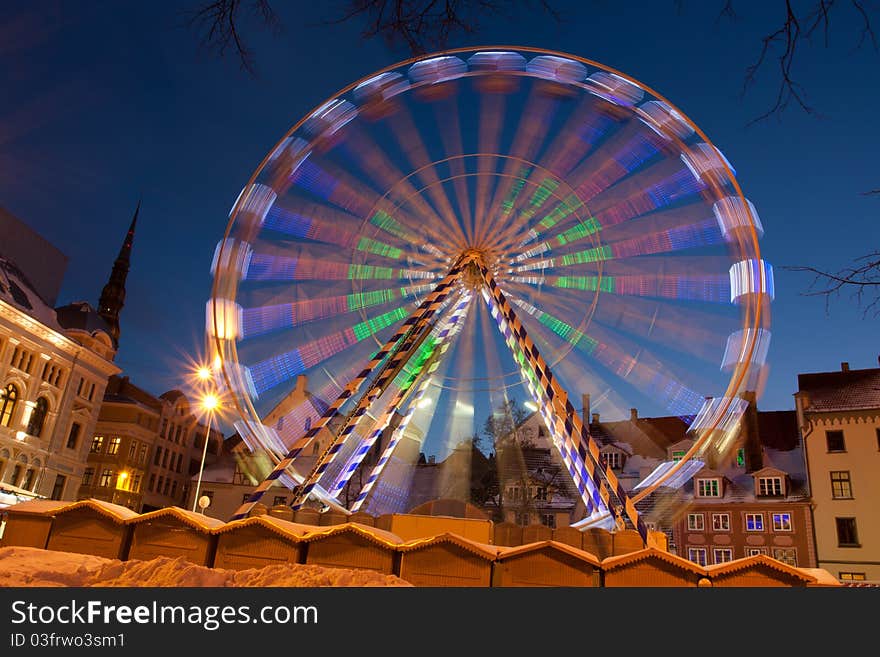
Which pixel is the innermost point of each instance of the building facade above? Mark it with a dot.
(839, 418)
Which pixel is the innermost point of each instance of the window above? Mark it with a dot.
(87, 476)
(678, 455)
(847, 536)
(708, 488)
(173, 488)
(754, 522)
(245, 497)
(753, 551)
(315, 448)
(841, 487)
(179, 462)
(113, 445)
(16, 473)
(8, 400)
(722, 555)
(167, 486)
(73, 436)
(613, 460)
(106, 477)
(58, 488)
(136, 483)
(834, 441)
(697, 555)
(29, 479)
(152, 483)
(164, 426)
(280, 500)
(877, 431)
(38, 417)
(132, 450)
(522, 519)
(782, 522)
(142, 456)
(721, 522)
(695, 522)
(549, 519)
(851, 577)
(770, 486)
(165, 458)
(541, 493)
(741, 457)
(786, 555)
(157, 457)
(97, 443)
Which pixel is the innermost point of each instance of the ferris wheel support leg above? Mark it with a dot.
(442, 344)
(575, 429)
(426, 308)
(420, 329)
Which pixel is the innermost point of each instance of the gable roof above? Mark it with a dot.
(845, 390)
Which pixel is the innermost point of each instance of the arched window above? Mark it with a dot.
(8, 400)
(38, 417)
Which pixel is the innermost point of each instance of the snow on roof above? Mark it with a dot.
(17, 291)
(757, 560)
(39, 507)
(378, 536)
(611, 563)
(285, 528)
(480, 549)
(192, 518)
(114, 511)
(583, 555)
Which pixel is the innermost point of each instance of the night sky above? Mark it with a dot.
(104, 104)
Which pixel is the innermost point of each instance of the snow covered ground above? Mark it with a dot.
(24, 566)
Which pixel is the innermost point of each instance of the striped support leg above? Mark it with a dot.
(443, 342)
(580, 439)
(420, 331)
(351, 389)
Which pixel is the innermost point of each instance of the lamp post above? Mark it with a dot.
(209, 403)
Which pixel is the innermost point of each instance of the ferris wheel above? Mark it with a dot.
(482, 226)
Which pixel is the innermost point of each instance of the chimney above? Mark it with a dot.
(633, 414)
(844, 367)
(585, 407)
(432, 459)
(595, 418)
(751, 440)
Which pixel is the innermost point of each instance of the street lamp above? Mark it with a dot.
(209, 403)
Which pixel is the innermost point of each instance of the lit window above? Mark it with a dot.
(754, 522)
(841, 486)
(741, 457)
(708, 488)
(113, 445)
(697, 555)
(786, 555)
(106, 477)
(97, 443)
(782, 522)
(721, 522)
(847, 535)
(8, 400)
(753, 552)
(851, 577)
(695, 522)
(770, 486)
(834, 441)
(678, 455)
(722, 555)
(87, 476)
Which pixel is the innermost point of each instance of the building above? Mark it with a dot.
(52, 377)
(145, 450)
(838, 414)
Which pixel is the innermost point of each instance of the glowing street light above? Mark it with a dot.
(209, 404)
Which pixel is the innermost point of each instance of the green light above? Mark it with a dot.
(590, 255)
(387, 223)
(580, 231)
(360, 272)
(569, 333)
(589, 283)
(379, 248)
(371, 326)
(545, 189)
(366, 299)
(569, 205)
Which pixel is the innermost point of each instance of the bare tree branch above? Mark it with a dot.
(863, 279)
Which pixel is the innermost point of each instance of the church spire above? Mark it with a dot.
(113, 294)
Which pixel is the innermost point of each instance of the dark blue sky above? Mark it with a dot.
(105, 103)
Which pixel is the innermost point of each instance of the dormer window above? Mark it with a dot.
(708, 487)
(770, 487)
(613, 460)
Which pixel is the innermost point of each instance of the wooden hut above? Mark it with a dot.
(599, 542)
(363, 518)
(352, 545)
(259, 541)
(92, 527)
(626, 541)
(536, 534)
(28, 523)
(569, 536)
(307, 516)
(651, 567)
(330, 518)
(174, 532)
(281, 511)
(508, 533)
(447, 560)
(757, 571)
(545, 563)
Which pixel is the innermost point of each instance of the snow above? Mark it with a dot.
(29, 567)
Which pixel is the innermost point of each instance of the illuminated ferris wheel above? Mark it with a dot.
(477, 227)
